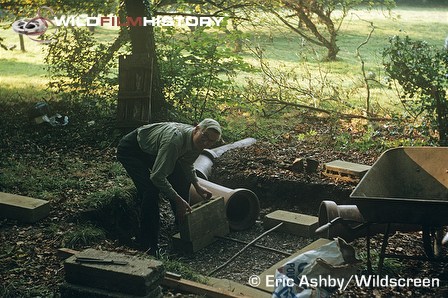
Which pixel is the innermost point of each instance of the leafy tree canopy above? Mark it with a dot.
(18, 7)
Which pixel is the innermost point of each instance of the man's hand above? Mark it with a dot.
(182, 207)
(203, 192)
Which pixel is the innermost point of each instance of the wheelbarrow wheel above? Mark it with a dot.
(432, 241)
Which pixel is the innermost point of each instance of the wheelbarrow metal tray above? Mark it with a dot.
(406, 185)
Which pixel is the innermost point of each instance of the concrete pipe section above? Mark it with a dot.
(242, 205)
(329, 211)
(347, 222)
(204, 162)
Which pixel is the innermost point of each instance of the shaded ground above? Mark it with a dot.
(67, 165)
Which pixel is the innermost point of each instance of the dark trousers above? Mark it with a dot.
(138, 165)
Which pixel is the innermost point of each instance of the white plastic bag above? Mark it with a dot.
(316, 273)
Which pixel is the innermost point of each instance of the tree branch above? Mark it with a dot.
(294, 28)
(366, 80)
(93, 72)
(328, 112)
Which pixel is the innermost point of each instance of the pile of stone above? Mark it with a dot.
(100, 274)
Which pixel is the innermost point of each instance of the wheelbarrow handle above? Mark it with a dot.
(326, 226)
(344, 222)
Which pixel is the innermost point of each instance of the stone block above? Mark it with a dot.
(139, 276)
(294, 223)
(344, 170)
(205, 221)
(23, 208)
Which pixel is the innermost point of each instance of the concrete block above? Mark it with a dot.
(345, 170)
(140, 276)
(23, 208)
(68, 290)
(294, 223)
(206, 220)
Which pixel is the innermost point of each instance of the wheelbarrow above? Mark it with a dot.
(407, 185)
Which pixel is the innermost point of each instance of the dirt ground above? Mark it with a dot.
(30, 267)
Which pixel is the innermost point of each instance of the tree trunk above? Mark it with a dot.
(143, 43)
(22, 43)
(332, 53)
(307, 12)
(442, 116)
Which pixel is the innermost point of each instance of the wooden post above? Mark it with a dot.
(22, 43)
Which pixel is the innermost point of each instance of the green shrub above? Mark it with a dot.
(422, 72)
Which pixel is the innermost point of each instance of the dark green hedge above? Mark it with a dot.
(422, 2)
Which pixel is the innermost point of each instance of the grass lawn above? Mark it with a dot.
(285, 50)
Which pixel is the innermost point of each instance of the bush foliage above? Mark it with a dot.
(422, 71)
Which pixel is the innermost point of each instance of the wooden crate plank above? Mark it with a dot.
(199, 289)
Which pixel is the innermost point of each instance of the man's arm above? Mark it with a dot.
(162, 168)
(187, 163)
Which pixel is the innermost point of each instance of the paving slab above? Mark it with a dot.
(23, 208)
(139, 276)
(294, 223)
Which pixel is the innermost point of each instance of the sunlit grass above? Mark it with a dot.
(23, 74)
(286, 51)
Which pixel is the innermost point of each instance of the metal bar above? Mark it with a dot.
(244, 248)
(383, 249)
(369, 262)
(256, 245)
(100, 261)
(418, 257)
